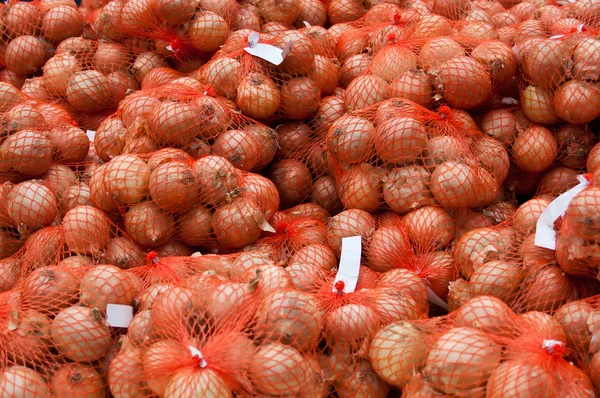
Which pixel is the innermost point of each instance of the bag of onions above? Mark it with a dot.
(399, 155)
(189, 121)
(485, 350)
(93, 76)
(31, 32)
(168, 196)
(558, 70)
(395, 53)
(293, 230)
(287, 88)
(184, 33)
(50, 352)
(302, 169)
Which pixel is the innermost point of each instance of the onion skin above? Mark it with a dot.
(81, 334)
(73, 380)
(459, 76)
(19, 381)
(449, 372)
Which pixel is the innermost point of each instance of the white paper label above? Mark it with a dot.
(545, 235)
(349, 267)
(435, 299)
(509, 101)
(118, 315)
(196, 254)
(91, 134)
(196, 353)
(272, 54)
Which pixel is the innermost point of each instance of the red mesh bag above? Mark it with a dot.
(394, 52)
(421, 158)
(484, 349)
(37, 358)
(169, 196)
(32, 30)
(91, 77)
(191, 123)
(266, 91)
(557, 69)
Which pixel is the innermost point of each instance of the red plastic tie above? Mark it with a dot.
(152, 257)
(339, 286)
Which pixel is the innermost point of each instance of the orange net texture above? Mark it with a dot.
(192, 242)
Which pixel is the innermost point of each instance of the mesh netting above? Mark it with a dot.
(484, 349)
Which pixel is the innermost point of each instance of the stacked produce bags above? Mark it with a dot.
(283, 198)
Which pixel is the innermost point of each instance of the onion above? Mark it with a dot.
(126, 177)
(22, 19)
(292, 318)
(325, 74)
(277, 370)
(535, 149)
(516, 377)
(388, 245)
(23, 117)
(500, 124)
(400, 139)
(174, 122)
(430, 227)
(51, 289)
(361, 380)
(61, 22)
(205, 382)
(292, 179)
(224, 75)
(413, 86)
(237, 223)
(86, 230)
(258, 96)
(546, 290)
(216, 177)
(430, 26)
(81, 334)
(21, 381)
(360, 187)
(125, 375)
(451, 371)
(105, 284)
(31, 204)
(577, 102)
(25, 55)
(353, 67)
(496, 278)
(148, 225)
(498, 58)
(207, 31)
(575, 144)
(545, 324)
(88, 91)
(537, 105)
(172, 186)
(459, 76)
(350, 139)
(526, 216)
(325, 194)
(454, 185)
(340, 11)
(110, 57)
(43, 247)
(174, 249)
(307, 264)
(545, 62)
(27, 152)
(195, 227)
(349, 324)
(70, 143)
(300, 98)
(573, 317)
(348, 223)
(395, 350)
(439, 50)
(478, 246)
(493, 157)
(15, 79)
(77, 380)
(75, 262)
(580, 215)
(34, 88)
(364, 91)
(586, 57)
(145, 62)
